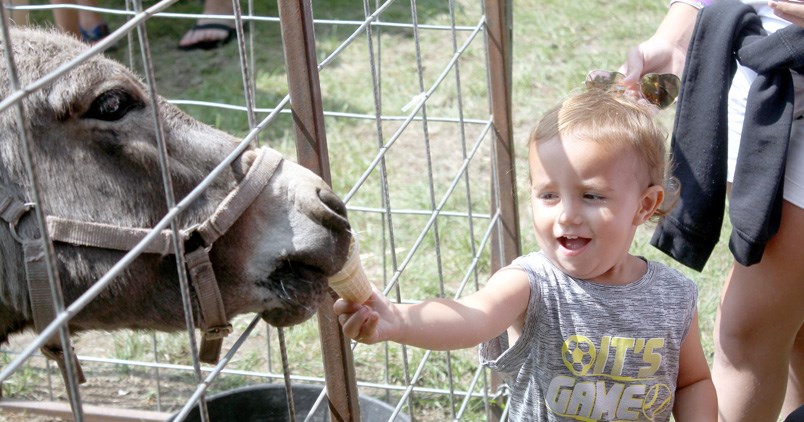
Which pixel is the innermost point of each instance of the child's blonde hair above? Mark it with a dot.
(616, 121)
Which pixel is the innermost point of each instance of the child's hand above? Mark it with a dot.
(369, 322)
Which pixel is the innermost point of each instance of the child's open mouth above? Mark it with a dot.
(573, 243)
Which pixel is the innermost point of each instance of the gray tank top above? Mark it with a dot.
(595, 352)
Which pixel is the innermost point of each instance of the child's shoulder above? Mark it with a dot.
(540, 269)
(664, 273)
(530, 257)
(667, 269)
(533, 262)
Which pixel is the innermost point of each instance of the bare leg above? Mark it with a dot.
(201, 35)
(66, 19)
(795, 381)
(87, 19)
(20, 17)
(73, 21)
(759, 317)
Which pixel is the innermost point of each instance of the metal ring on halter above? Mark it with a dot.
(12, 225)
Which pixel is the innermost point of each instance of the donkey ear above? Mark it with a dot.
(243, 163)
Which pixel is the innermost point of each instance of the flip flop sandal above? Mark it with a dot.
(210, 44)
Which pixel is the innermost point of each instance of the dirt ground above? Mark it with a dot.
(103, 392)
(108, 386)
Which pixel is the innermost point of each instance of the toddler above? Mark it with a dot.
(582, 329)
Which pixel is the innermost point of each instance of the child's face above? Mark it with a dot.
(587, 202)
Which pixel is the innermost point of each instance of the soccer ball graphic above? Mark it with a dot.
(579, 354)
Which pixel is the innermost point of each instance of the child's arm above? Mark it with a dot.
(440, 324)
(695, 394)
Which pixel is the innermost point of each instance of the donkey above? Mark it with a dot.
(93, 142)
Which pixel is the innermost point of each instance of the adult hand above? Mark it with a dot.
(666, 50)
(655, 55)
(791, 10)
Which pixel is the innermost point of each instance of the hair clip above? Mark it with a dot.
(658, 89)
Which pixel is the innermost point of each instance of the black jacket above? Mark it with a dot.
(726, 32)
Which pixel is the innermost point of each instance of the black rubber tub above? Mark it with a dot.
(268, 403)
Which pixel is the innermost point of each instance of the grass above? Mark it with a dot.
(555, 43)
(23, 380)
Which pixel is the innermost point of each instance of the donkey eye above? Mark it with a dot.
(112, 105)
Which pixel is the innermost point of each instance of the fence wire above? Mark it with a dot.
(420, 197)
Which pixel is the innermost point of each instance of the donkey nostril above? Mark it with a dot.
(335, 205)
(332, 202)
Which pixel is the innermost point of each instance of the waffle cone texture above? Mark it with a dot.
(351, 282)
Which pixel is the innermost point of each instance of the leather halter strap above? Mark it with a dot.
(214, 323)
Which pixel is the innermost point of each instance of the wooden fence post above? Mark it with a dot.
(298, 39)
(505, 242)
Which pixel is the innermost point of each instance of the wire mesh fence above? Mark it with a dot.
(403, 107)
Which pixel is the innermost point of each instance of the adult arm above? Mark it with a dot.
(666, 50)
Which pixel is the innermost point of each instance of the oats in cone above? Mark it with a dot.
(351, 282)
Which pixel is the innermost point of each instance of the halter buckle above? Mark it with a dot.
(16, 216)
(219, 332)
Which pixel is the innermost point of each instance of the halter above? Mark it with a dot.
(197, 240)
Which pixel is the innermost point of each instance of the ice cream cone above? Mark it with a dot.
(351, 282)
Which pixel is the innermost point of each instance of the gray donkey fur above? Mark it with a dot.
(95, 157)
